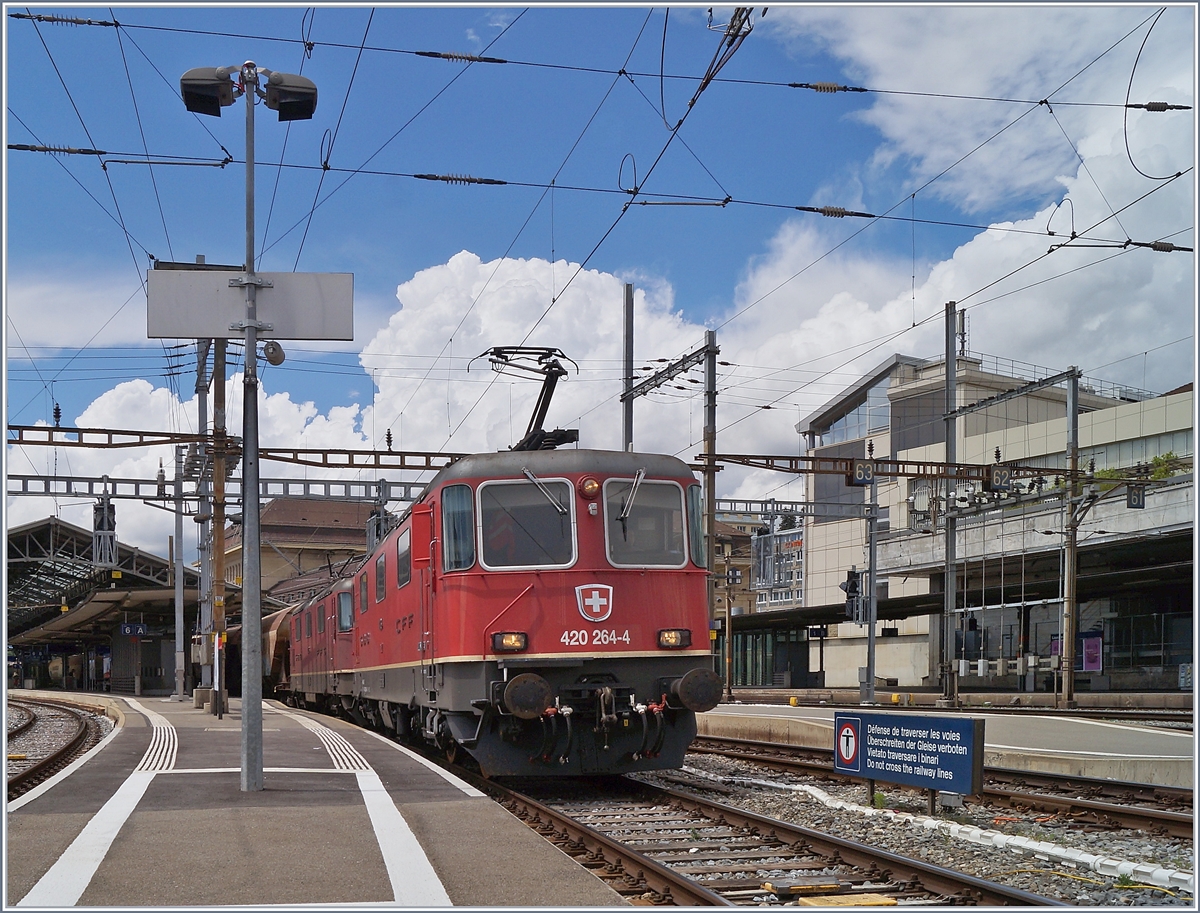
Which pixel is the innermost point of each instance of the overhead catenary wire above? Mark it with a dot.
(739, 27)
(1129, 91)
(91, 195)
(307, 21)
(817, 86)
(1033, 106)
(1083, 164)
(108, 179)
(145, 147)
(392, 138)
(332, 140)
(528, 218)
(668, 199)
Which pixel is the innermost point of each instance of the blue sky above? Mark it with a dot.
(800, 301)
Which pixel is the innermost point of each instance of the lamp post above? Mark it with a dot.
(206, 90)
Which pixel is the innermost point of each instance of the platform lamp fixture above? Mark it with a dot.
(206, 90)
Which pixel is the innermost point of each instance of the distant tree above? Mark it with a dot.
(1164, 466)
(788, 522)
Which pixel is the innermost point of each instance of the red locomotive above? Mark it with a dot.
(544, 609)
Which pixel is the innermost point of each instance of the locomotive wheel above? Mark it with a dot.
(452, 752)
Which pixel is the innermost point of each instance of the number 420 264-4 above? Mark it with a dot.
(594, 637)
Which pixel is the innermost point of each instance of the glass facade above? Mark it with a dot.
(872, 415)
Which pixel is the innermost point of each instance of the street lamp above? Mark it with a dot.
(206, 90)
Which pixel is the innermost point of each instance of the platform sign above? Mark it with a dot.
(135, 630)
(193, 304)
(847, 743)
(932, 752)
(999, 478)
(1135, 497)
(862, 472)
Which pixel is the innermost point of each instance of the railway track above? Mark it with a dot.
(1142, 807)
(51, 736)
(663, 847)
(25, 716)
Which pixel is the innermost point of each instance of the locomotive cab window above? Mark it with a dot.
(362, 594)
(380, 577)
(643, 523)
(458, 528)
(404, 558)
(345, 612)
(523, 524)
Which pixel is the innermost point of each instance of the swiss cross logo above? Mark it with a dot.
(594, 600)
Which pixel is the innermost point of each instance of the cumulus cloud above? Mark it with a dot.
(463, 405)
(138, 404)
(1024, 53)
(68, 312)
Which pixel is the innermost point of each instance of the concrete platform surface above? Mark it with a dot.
(155, 817)
(1051, 744)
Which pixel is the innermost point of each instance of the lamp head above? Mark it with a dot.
(294, 97)
(206, 90)
(273, 353)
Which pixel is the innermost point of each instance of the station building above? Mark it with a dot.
(88, 612)
(1135, 566)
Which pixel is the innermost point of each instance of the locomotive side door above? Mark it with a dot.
(342, 657)
(422, 563)
(324, 650)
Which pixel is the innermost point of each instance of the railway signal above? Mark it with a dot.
(851, 586)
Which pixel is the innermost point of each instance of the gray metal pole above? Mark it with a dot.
(252, 748)
(205, 506)
(179, 656)
(1072, 556)
(628, 423)
(710, 476)
(220, 443)
(872, 596)
(949, 673)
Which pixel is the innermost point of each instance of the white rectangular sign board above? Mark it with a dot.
(201, 304)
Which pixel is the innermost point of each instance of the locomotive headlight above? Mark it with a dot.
(509, 641)
(589, 488)
(675, 638)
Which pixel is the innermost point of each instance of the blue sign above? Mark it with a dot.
(933, 752)
(135, 630)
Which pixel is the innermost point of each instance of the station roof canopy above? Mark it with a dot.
(50, 565)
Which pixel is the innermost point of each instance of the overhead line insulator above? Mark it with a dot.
(825, 87)
(55, 150)
(1161, 106)
(461, 58)
(836, 212)
(63, 20)
(457, 179)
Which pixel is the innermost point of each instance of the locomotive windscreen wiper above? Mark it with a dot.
(628, 505)
(541, 486)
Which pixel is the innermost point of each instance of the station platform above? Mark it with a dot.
(1029, 741)
(154, 817)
